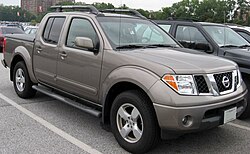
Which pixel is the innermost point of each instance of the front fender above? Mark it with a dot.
(141, 77)
(24, 53)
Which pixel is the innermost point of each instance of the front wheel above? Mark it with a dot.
(133, 122)
(21, 81)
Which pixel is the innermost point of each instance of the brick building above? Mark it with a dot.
(39, 6)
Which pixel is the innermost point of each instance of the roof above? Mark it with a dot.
(188, 21)
(210, 24)
(240, 27)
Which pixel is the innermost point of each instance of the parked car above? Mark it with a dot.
(15, 25)
(215, 39)
(31, 30)
(242, 30)
(4, 30)
(127, 70)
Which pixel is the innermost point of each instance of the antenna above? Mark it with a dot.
(120, 27)
(224, 29)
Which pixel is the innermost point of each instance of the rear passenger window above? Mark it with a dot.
(191, 37)
(80, 28)
(53, 29)
(47, 29)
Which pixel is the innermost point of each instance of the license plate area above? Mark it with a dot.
(229, 114)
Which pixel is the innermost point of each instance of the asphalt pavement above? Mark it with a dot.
(45, 125)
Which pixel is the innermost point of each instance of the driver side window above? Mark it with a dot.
(191, 37)
(81, 28)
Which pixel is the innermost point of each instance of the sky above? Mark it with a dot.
(154, 5)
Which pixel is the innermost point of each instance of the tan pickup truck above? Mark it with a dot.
(126, 70)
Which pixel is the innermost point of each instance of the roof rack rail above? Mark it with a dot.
(83, 8)
(130, 11)
(182, 19)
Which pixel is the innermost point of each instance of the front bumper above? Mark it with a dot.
(206, 111)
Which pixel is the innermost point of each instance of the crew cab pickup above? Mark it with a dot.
(216, 39)
(128, 71)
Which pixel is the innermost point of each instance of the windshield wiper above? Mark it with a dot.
(133, 46)
(244, 46)
(130, 46)
(160, 45)
(229, 46)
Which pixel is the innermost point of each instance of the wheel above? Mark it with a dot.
(133, 122)
(246, 113)
(21, 81)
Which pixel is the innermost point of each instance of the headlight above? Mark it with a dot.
(183, 84)
(239, 78)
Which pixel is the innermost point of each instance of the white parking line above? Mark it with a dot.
(51, 127)
(239, 126)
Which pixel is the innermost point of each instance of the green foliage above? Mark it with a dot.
(102, 6)
(65, 3)
(10, 13)
(218, 11)
(33, 22)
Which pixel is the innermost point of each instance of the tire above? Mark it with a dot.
(246, 113)
(21, 81)
(146, 122)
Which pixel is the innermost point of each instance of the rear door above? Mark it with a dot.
(79, 69)
(46, 51)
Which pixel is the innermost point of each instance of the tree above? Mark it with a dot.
(15, 13)
(102, 6)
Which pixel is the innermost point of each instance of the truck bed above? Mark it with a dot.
(24, 41)
(23, 37)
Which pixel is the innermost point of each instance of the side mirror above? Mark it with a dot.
(84, 42)
(203, 47)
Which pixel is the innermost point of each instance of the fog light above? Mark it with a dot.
(187, 121)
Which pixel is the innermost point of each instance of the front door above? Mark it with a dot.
(79, 69)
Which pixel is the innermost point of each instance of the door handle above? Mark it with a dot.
(39, 49)
(63, 55)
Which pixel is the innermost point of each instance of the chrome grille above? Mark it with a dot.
(201, 84)
(214, 84)
(220, 78)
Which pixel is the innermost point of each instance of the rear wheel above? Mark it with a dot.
(246, 113)
(21, 81)
(133, 122)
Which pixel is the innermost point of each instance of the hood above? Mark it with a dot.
(184, 61)
(238, 53)
(240, 56)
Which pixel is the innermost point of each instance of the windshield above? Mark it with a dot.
(225, 36)
(132, 32)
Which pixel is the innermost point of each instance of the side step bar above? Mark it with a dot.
(68, 101)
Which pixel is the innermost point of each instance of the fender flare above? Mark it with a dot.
(138, 76)
(24, 53)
